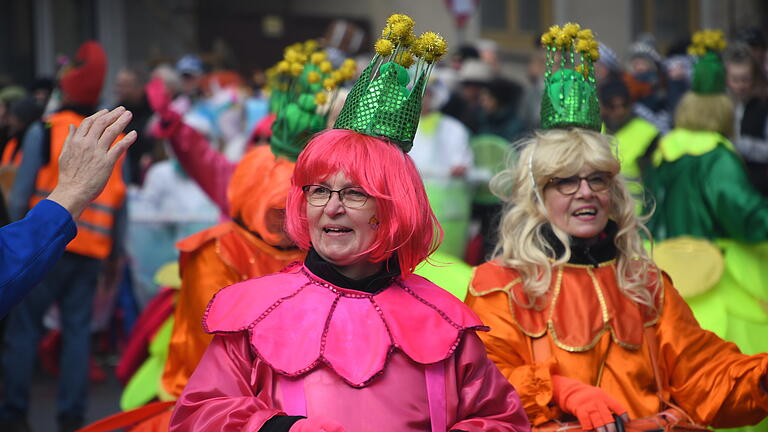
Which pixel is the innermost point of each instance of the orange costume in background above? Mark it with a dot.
(228, 253)
(596, 336)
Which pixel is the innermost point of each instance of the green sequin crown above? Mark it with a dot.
(381, 104)
(570, 95)
(302, 88)
(708, 72)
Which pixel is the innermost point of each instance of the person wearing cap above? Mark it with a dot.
(72, 282)
(464, 103)
(583, 323)
(645, 67)
(746, 86)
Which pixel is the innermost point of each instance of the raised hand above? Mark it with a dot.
(88, 158)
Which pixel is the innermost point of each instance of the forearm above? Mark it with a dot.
(29, 248)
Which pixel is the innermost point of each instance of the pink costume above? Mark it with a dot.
(405, 358)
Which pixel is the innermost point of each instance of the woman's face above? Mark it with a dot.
(340, 234)
(583, 214)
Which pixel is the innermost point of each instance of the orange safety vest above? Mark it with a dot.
(8, 158)
(94, 227)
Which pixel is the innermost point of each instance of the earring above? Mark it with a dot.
(373, 222)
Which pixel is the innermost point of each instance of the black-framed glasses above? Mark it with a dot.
(350, 197)
(597, 181)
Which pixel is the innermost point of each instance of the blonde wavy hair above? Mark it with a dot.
(522, 245)
(704, 112)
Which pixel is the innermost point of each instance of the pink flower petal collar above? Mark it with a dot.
(297, 322)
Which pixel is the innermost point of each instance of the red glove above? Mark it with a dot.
(592, 406)
(160, 101)
(316, 424)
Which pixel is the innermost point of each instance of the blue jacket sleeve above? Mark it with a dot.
(29, 248)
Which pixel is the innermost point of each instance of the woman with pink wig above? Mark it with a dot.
(351, 339)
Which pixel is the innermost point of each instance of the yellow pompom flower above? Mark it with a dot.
(313, 77)
(554, 30)
(337, 76)
(346, 74)
(329, 84)
(405, 59)
(582, 45)
(408, 40)
(318, 57)
(349, 63)
(297, 69)
(431, 45)
(310, 46)
(321, 98)
(283, 66)
(563, 40)
(585, 34)
(400, 31)
(325, 67)
(289, 55)
(384, 47)
(594, 55)
(547, 39)
(571, 30)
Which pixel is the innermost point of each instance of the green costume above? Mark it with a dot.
(702, 191)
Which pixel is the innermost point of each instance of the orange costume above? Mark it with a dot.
(596, 336)
(225, 254)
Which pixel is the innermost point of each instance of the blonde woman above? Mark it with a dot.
(582, 322)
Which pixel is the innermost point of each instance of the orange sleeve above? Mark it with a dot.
(708, 377)
(508, 348)
(202, 275)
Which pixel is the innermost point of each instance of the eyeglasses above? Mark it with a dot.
(597, 182)
(350, 197)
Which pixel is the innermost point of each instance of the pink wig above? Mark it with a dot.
(407, 224)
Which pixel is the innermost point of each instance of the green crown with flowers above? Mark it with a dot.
(708, 72)
(570, 95)
(303, 87)
(381, 103)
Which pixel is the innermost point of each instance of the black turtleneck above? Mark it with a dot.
(371, 284)
(591, 251)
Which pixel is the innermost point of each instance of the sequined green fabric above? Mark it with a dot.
(382, 106)
(570, 97)
(570, 100)
(708, 75)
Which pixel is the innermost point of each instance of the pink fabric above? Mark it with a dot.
(294, 400)
(435, 375)
(235, 390)
(352, 332)
(209, 168)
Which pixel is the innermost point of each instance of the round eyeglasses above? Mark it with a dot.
(350, 197)
(597, 182)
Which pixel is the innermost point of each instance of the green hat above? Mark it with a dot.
(570, 96)
(380, 104)
(300, 85)
(708, 72)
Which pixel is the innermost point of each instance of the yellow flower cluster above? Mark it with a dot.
(572, 36)
(398, 40)
(308, 60)
(707, 40)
